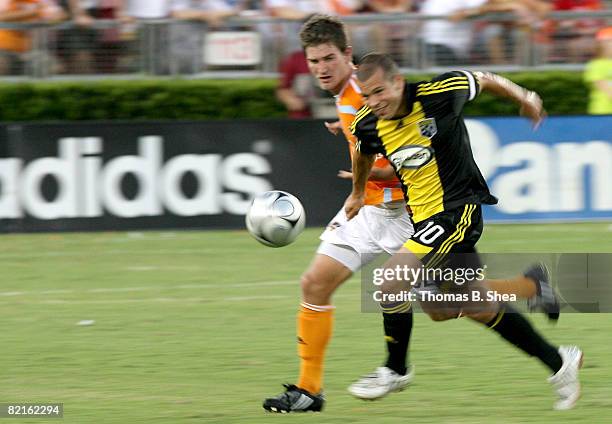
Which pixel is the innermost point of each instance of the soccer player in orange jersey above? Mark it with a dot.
(346, 246)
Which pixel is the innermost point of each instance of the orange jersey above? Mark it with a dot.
(14, 40)
(348, 102)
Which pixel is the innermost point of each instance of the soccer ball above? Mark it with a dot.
(275, 218)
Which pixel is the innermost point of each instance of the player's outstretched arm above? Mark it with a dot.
(362, 165)
(529, 101)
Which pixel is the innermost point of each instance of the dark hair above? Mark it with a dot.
(371, 62)
(323, 29)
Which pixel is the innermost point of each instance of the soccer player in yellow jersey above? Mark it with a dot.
(420, 128)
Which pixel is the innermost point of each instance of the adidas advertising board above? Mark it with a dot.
(102, 176)
(562, 171)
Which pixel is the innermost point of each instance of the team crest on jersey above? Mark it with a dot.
(428, 127)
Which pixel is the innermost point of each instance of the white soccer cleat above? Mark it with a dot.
(565, 381)
(380, 383)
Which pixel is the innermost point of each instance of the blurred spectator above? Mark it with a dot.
(572, 39)
(297, 10)
(526, 11)
(389, 6)
(346, 7)
(283, 37)
(148, 9)
(447, 41)
(598, 74)
(16, 45)
(391, 37)
(577, 5)
(52, 11)
(155, 59)
(296, 88)
(109, 44)
(251, 6)
(76, 45)
(501, 39)
(212, 12)
(186, 36)
(85, 49)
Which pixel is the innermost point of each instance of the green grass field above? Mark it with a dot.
(199, 327)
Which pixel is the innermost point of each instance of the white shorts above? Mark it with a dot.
(375, 230)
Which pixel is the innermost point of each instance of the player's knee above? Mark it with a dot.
(313, 285)
(307, 283)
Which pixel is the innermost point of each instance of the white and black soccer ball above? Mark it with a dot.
(275, 218)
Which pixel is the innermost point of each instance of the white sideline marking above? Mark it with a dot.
(87, 252)
(147, 288)
(150, 300)
(142, 268)
(160, 268)
(248, 298)
(119, 289)
(162, 300)
(264, 283)
(59, 291)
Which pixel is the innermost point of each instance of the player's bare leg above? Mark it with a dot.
(314, 329)
(564, 362)
(533, 285)
(322, 278)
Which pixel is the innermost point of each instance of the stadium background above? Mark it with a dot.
(126, 323)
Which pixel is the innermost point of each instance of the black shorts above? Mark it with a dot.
(446, 245)
(447, 235)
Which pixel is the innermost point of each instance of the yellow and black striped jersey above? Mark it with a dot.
(429, 147)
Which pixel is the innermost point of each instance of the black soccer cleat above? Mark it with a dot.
(546, 297)
(294, 399)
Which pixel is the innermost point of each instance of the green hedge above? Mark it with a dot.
(563, 93)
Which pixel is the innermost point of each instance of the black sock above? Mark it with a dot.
(515, 328)
(398, 327)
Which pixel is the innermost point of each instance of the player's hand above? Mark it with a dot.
(533, 108)
(345, 175)
(295, 104)
(334, 127)
(352, 205)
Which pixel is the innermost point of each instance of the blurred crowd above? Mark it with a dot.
(82, 44)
